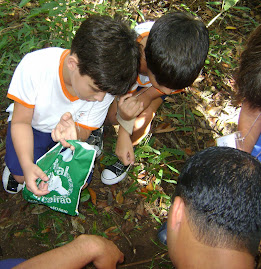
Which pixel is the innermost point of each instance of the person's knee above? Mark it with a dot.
(144, 119)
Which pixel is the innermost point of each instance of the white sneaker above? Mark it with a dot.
(115, 173)
(9, 183)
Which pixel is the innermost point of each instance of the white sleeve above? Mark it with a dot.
(22, 83)
(144, 27)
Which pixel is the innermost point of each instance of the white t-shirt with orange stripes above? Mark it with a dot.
(38, 83)
(142, 30)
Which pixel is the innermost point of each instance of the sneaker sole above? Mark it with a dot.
(5, 177)
(112, 181)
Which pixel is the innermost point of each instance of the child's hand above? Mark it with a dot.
(65, 130)
(129, 107)
(31, 174)
(105, 253)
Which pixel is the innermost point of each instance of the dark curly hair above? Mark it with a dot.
(107, 52)
(176, 49)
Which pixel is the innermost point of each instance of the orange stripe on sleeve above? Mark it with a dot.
(141, 36)
(86, 127)
(178, 91)
(142, 84)
(12, 97)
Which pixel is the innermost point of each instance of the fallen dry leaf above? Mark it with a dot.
(150, 186)
(46, 230)
(119, 198)
(140, 209)
(18, 234)
(112, 231)
(93, 195)
(189, 151)
(164, 128)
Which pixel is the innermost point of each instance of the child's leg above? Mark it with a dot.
(143, 121)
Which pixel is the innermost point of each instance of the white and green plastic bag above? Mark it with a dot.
(68, 172)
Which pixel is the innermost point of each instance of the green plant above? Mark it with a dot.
(223, 50)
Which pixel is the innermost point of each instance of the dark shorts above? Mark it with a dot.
(10, 263)
(42, 143)
(257, 149)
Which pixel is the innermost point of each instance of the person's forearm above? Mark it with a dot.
(124, 147)
(249, 124)
(147, 96)
(22, 136)
(122, 134)
(82, 133)
(71, 256)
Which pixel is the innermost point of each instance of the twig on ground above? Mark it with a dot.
(174, 143)
(144, 261)
(195, 138)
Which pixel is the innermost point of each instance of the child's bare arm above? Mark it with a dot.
(130, 106)
(245, 126)
(84, 249)
(124, 148)
(22, 136)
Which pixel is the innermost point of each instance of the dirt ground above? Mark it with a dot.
(208, 111)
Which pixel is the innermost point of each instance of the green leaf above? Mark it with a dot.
(229, 4)
(197, 113)
(132, 188)
(173, 169)
(85, 195)
(170, 181)
(23, 3)
(141, 14)
(214, 3)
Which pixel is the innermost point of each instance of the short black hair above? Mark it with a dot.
(248, 76)
(176, 49)
(221, 188)
(108, 52)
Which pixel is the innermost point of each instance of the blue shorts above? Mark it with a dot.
(10, 263)
(257, 149)
(42, 143)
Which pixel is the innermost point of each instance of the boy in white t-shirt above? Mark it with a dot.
(63, 94)
(174, 49)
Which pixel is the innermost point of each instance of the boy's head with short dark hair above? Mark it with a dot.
(221, 189)
(107, 52)
(248, 77)
(176, 49)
